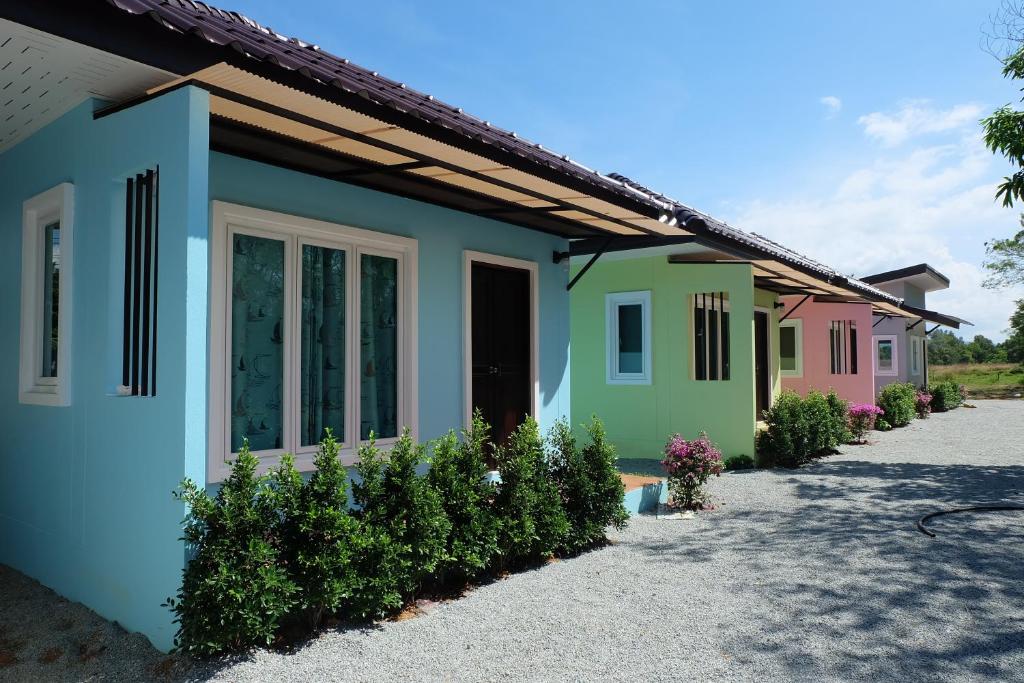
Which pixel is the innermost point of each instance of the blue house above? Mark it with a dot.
(214, 233)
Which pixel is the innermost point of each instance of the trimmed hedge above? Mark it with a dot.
(946, 395)
(800, 429)
(278, 550)
(898, 401)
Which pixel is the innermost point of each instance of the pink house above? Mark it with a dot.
(826, 344)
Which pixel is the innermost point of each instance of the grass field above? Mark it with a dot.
(988, 380)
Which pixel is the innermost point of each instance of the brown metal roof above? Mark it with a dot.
(246, 37)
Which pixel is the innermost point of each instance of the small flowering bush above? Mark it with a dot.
(862, 419)
(924, 404)
(689, 464)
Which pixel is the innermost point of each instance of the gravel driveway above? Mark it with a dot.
(813, 574)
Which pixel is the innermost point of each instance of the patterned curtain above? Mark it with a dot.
(322, 402)
(378, 346)
(257, 342)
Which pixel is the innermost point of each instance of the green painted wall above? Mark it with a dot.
(639, 418)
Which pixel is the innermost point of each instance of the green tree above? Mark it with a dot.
(982, 349)
(1014, 344)
(945, 348)
(1004, 134)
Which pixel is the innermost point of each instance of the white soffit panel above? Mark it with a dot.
(43, 76)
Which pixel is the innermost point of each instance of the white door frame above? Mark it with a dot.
(468, 259)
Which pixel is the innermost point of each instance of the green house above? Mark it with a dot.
(681, 334)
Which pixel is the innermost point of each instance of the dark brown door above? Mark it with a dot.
(762, 365)
(501, 346)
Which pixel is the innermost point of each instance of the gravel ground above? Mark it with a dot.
(812, 574)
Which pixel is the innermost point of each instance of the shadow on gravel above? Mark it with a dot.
(842, 584)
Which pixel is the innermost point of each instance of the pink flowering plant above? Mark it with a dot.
(689, 464)
(923, 404)
(862, 420)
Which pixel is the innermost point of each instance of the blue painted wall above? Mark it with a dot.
(443, 235)
(85, 504)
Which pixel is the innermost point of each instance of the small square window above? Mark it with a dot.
(791, 352)
(46, 260)
(886, 361)
(628, 323)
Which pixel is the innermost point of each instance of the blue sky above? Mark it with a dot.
(847, 131)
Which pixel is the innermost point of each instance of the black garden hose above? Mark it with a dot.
(983, 508)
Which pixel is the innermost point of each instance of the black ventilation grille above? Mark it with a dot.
(141, 252)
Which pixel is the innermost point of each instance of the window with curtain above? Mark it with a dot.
(378, 339)
(322, 351)
(711, 356)
(258, 333)
(315, 336)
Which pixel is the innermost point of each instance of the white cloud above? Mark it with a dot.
(931, 204)
(832, 104)
(914, 118)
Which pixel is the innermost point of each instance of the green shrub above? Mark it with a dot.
(396, 501)
(899, 403)
(840, 412)
(946, 396)
(799, 429)
(882, 425)
(784, 442)
(819, 424)
(235, 590)
(458, 472)
(317, 531)
(738, 462)
(588, 483)
(532, 523)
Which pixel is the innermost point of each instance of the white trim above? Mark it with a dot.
(895, 355)
(227, 219)
(916, 351)
(55, 205)
(612, 302)
(798, 334)
(468, 259)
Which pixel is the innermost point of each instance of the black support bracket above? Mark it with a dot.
(798, 305)
(591, 262)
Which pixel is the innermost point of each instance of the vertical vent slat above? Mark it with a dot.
(129, 229)
(138, 366)
(156, 261)
(147, 274)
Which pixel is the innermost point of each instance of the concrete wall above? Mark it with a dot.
(85, 490)
(816, 320)
(639, 418)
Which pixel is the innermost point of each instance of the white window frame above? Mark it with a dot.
(613, 301)
(916, 350)
(693, 338)
(468, 259)
(798, 334)
(895, 355)
(55, 205)
(229, 219)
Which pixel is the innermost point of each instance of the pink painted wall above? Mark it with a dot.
(817, 319)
